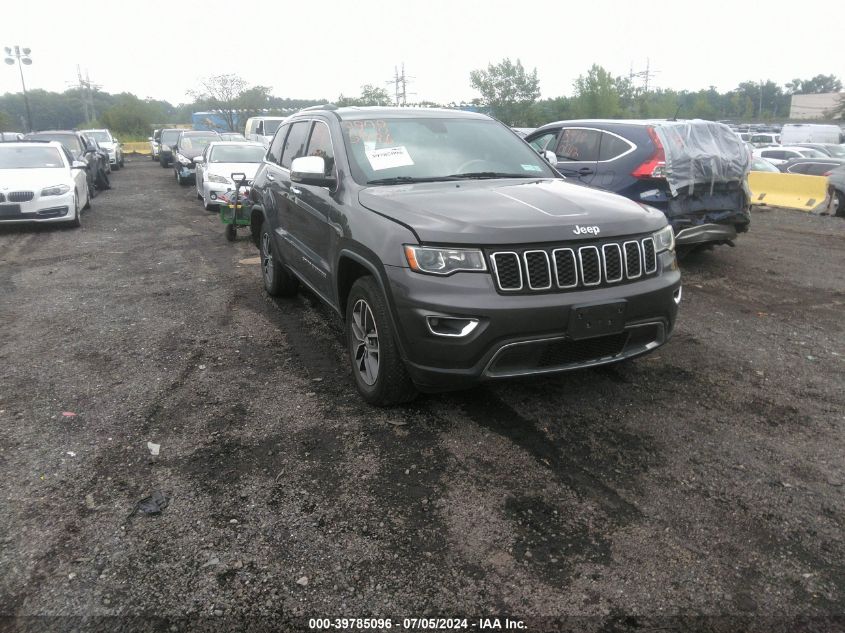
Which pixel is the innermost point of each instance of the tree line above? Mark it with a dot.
(508, 91)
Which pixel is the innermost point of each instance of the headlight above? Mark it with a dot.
(183, 160)
(55, 190)
(215, 178)
(664, 239)
(443, 261)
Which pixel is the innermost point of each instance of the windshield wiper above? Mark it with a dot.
(402, 180)
(493, 174)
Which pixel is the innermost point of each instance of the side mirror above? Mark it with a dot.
(199, 159)
(550, 156)
(311, 170)
(78, 164)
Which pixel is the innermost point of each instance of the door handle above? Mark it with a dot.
(271, 177)
(585, 171)
(295, 191)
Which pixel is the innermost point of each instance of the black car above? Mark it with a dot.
(82, 150)
(167, 138)
(811, 166)
(189, 145)
(454, 252)
(693, 171)
(836, 183)
(828, 149)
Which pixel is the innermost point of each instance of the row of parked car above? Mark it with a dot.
(51, 176)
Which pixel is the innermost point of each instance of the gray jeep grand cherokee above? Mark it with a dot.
(454, 252)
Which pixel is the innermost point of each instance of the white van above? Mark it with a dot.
(262, 128)
(810, 133)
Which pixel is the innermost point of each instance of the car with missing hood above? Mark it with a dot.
(41, 182)
(217, 164)
(190, 145)
(109, 143)
(693, 171)
(454, 253)
(167, 139)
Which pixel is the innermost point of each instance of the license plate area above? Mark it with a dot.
(10, 210)
(587, 321)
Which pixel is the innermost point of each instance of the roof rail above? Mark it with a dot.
(325, 106)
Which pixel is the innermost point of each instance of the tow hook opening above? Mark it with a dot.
(454, 327)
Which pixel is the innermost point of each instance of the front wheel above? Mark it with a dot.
(377, 367)
(77, 214)
(838, 204)
(278, 282)
(231, 232)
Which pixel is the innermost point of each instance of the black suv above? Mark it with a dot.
(168, 139)
(693, 171)
(454, 252)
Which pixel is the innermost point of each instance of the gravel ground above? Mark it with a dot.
(698, 488)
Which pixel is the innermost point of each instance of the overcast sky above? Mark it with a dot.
(311, 50)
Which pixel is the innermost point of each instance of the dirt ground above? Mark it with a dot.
(699, 488)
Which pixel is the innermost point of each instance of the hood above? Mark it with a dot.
(227, 169)
(192, 152)
(33, 179)
(509, 211)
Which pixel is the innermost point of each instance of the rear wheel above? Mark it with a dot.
(231, 232)
(377, 367)
(278, 282)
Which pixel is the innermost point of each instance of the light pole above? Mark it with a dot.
(21, 56)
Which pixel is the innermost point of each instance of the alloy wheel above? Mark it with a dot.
(366, 342)
(266, 258)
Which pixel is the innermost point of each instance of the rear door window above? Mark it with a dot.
(612, 147)
(294, 146)
(580, 145)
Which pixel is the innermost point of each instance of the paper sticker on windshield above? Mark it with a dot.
(531, 167)
(388, 157)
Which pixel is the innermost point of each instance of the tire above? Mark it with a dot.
(380, 375)
(87, 203)
(278, 282)
(92, 191)
(77, 215)
(840, 203)
(122, 164)
(164, 163)
(231, 233)
(154, 157)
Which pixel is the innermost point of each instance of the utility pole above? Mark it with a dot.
(86, 94)
(21, 57)
(400, 85)
(645, 75)
(760, 115)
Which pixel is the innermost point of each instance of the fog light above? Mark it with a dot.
(677, 295)
(454, 327)
(213, 196)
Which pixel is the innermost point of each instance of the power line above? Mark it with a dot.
(400, 85)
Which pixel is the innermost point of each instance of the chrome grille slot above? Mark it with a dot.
(612, 255)
(649, 256)
(2, 198)
(590, 261)
(508, 271)
(633, 260)
(538, 269)
(21, 196)
(566, 268)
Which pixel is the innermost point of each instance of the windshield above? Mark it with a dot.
(197, 142)
(237, 154)
(836, 150)
(270, 127)
(761, 164)
(70, 141)
(101, 136)
(168, 137)
(437, 149)
(30, 158)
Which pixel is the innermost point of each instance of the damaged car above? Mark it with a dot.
(693, 171)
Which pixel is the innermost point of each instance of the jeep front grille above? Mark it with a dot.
(548, 269)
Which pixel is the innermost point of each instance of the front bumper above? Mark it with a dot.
(41, 210)
(186, 171)
(520, 335)
(212, 190)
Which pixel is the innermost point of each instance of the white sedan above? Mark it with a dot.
(217, 164)
(41, 182)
